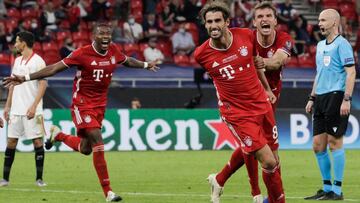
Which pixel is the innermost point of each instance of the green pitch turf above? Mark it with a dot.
(161, 177)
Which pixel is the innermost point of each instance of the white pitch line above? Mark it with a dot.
(147, 194)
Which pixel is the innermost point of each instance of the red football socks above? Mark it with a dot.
(70, 140)
(100, 167)
(272, 180)
(253, 173)
(236, 161)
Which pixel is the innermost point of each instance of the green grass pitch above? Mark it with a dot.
(162, 177)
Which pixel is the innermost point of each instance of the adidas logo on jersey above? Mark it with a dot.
(93, 63)
(215, 64)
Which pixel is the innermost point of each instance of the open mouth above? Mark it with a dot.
(215, 32)
(265, 27)
(322, 29)
(105, 42)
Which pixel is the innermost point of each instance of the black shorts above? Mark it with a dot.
(327, 117)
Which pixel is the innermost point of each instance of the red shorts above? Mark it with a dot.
(253, 133)
(87, 118)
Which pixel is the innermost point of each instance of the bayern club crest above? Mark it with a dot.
(87, 119)
(270, 53)
(243, 51)
(248, 141)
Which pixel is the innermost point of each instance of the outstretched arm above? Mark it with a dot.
(134, 63)
(43, 73)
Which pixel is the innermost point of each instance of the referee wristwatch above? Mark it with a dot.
(347, 97)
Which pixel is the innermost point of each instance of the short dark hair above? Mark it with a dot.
(102, 24)
(27, 37)
(214, 6)
(266, 4)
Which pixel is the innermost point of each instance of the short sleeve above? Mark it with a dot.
(346, 54)
(73, 59)
(119, 56)
(286, 44)
(42, 64)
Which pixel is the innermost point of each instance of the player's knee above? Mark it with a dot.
(86, 151)
(269, 164)
(38, 143)
(11, 143)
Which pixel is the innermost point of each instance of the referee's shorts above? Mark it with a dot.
(327, 118)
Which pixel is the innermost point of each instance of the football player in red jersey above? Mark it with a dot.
(95, 65)
(275, 48)
(228, 57)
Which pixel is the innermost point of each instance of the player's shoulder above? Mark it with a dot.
(242, 33)
(341, 40)
(114, 47)
(200, 49)
(236, 30)
(283, 35)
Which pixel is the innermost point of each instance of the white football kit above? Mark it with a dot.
(22, 99)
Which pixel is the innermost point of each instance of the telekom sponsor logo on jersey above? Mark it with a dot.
(228, 72)
(99, 73)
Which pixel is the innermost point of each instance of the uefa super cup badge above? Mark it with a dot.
(113, 60)
(327, 60)
(243, 51)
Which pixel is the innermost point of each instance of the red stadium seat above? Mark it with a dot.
(166, 48)
(330, 4)
(181, 60)
(61, 35)
(29, 13)
(136, 5)
(50, 48)
(64, 24)
(306, 61)
(138, 15)
(51, 58)
(42, 2)
(11, 24)
(37, 47)
(195, 36)
(132, 50)
(81, 35)
(14, 13)
(143, 46)
(4, 59)
(191, 27)
(312, 50)
(84, 26)
(81, 43)
(348, 10)
(119, 46)
(292, 62)
(282, 27)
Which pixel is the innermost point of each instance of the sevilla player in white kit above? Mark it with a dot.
(228, 57)
(275, 48)
(95, 64)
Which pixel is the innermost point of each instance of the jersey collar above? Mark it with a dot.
(232, 39)
(92, 45)
(265, 47)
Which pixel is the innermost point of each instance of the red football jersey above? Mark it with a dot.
(239, 90)
(94, 75)
(283, 42)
